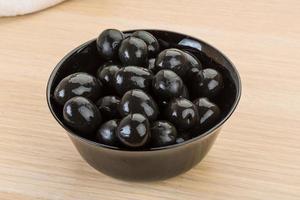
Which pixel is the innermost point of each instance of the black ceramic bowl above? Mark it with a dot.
(156, 163)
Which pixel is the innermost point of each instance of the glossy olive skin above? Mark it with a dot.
(166, 85)
(126, 35)
(182, 113)
(185, 92)
(78, 84)
(208, 112)
(108, 107)
(163, 133)
(131, 77)
(188, 42)
(182, 137)
(151, 64)
(207, 83)
(172, 59)
(137, 101)
(133, 51)
(213, 82)
(108, 43)
(192, 60)
(106, 64)
(150, 40)
(163, 102)
(107, 76)
(82, 115)
(192, 74)
(134, 131)
(106, 134)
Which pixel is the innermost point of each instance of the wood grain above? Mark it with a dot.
(257, 155)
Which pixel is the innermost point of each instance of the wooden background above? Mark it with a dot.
(257, 155)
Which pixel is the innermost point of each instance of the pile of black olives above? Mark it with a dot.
(143, 96)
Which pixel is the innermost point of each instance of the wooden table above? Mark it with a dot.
(257, 155)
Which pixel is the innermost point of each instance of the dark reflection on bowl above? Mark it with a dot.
(154, 163)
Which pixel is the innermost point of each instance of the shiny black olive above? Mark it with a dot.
(134, 130)
(167, 85)
(108, 107)
(107, 75)
(78, 84)
(185, 93)
(191, 43)
(193, 65)
(182, 113)
(126, 35)
(163, 133)
(150, 40)
(196, 82)
(192, 60)
(151, 64)
(133, 51)
(213, 82)
(172, 59)
(182, 137)
(131, 77)
(107, 63)
(207, 83)
(137, 101)
(108, 43)
(106, 134)
(192, 74)
(208, 112)
(163, 102)
(82, 115)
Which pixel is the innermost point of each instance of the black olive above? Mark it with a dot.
(108, 43)
(191, 43)
(106, 134)
(182, 137)
(133, 51)
(137, 101)
(208, 112)
(150, 40)
(162, 103)
(163, 133)
(172, 59)
(207, 83)
(167, 85)
(192, 74)
(82, 115)
(105, 64)
(134, 130)
(185, 93)
(107, 75)
(131, 77)
(196, 83)
(182, 113)
(194, 67)
(212, 83)
(151, 64)
(78, 84)
(108, 107)
(126, 35)
(192, 60)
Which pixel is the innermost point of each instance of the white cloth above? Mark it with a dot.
(21, 7)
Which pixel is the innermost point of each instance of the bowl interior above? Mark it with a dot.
(85, 59)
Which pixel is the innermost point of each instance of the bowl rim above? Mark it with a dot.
(205, 134)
